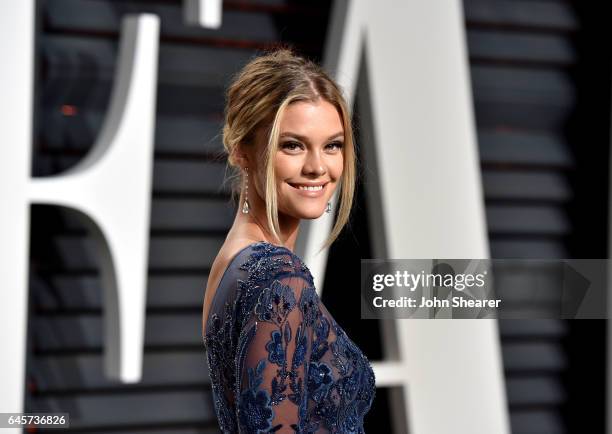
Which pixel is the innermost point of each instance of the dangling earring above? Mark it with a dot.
(328, 209)
(245, 205)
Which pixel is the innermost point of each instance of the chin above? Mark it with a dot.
(310, 213)
(311, 216)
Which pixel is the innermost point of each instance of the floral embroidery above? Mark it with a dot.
(319, 377)
(275, 303)
(255, 412)
(273, 350)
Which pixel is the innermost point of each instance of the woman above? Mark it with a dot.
(278, 361)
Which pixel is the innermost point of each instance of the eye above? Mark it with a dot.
(291, 146)
(335, 145)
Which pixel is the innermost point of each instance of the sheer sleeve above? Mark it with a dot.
(273, 353)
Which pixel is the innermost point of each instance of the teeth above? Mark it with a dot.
(303, 187)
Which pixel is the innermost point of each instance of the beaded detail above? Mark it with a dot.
(277, 358)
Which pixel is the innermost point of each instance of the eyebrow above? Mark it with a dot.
(305, 139)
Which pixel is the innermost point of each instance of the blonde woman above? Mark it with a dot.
(278, 361)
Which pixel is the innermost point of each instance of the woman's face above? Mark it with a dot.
(310, 158)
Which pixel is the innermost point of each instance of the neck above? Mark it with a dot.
(254, 225)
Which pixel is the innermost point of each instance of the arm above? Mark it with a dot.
(272, 358)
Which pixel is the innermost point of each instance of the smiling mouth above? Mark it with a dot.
(308, 188)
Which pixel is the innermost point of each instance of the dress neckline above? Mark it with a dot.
(229, 264)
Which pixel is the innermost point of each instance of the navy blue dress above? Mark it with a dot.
(278, 361)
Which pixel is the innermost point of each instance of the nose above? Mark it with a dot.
(314, 165)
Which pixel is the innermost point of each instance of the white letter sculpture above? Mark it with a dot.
(425, 199)
(110, 189)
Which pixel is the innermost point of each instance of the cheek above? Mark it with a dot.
(287, 167)
(336, 167)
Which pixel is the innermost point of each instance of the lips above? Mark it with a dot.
(311, 190)
(309, 187)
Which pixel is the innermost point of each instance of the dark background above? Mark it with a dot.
(540, 72)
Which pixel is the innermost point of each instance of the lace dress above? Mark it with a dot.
(278, 361)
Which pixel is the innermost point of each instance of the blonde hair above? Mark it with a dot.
(258, 96)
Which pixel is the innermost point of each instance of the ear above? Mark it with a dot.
(241, 157)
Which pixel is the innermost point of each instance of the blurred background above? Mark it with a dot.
(540, 75)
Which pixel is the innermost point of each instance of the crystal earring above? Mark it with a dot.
(245, 205)
(328, 209)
